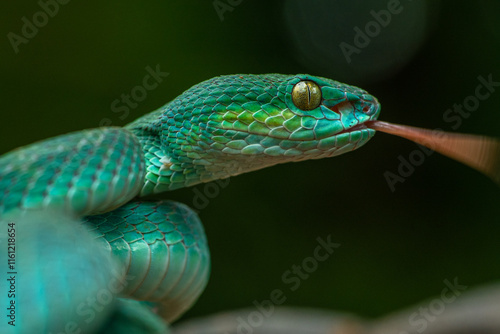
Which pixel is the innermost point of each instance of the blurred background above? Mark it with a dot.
(397, 246)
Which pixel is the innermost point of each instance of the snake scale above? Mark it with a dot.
(81, 232)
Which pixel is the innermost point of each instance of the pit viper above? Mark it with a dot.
(90, 256)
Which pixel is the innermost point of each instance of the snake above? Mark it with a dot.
(89, 253)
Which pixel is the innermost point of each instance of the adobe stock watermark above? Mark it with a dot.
(203, 193)
(372, 29)
(421, 319)
(207, 191)
(30, 27)
(292, 278)
(153, 78)
(223, 6)
(87, 310)
(454, 118)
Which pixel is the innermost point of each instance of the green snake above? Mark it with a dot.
(153, 253)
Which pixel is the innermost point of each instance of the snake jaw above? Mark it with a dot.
(357, 127)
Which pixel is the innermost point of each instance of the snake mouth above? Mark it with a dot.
(357, 127)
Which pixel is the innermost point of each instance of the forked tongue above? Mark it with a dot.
(479, 152)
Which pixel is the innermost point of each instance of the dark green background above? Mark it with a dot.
(396, 247)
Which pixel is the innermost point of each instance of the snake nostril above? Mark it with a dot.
(367, 109)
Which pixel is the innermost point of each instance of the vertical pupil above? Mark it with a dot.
(308, 93)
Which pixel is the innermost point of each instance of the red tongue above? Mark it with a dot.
(479, 152)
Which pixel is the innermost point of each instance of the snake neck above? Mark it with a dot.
(187, 159)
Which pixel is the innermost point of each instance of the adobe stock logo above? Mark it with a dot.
(426, 315)
(372, 29)
(40, 19)
(293, 278)
(222, 6)
(131, 99)
(454, 117)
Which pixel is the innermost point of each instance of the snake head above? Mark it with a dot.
(238, 123)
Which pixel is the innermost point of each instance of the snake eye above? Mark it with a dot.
(306, 95)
